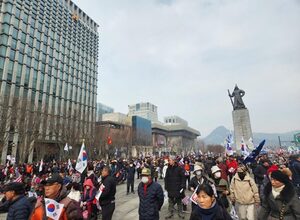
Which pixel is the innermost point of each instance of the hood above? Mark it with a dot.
(88, 182)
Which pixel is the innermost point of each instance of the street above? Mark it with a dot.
(127, 205)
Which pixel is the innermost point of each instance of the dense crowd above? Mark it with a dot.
(216, 187)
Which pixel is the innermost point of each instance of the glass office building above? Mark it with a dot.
(49, 56)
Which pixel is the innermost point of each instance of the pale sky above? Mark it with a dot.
(183, 55)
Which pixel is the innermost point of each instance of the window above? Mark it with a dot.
(6, 18)
(3, 51)
(4, 39)
(12, 55)
(18, 13)
(8, 7)
(20, 58)
(16, 22)
(15, 33)
(2, 60)
(5, 29)
(27, 77)
(14, 44)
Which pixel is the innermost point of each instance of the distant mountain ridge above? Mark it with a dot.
(218, 135)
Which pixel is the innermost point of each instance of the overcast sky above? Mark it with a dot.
(183, 55)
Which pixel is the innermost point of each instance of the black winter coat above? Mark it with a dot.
(295, 168)
(151, 201)
(271, 207)
(108, 194)
(259, 172)
(175, 180)
(215, 213)
(130, 173)
(19, 209)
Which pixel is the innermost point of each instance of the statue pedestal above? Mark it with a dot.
(242, 128)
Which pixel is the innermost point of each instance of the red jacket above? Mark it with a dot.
(231, 166)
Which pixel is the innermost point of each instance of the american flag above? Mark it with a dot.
(18, 180)
(186, 200)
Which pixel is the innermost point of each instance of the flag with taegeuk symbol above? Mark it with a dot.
(81, 163)
(53, 209)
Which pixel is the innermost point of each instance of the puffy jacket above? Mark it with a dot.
(244, 191)
(175, 180)
(271, 206)
(108, 194)
(71, 208)
(151, 200)
(19, 209)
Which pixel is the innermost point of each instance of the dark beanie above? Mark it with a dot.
(280, 176)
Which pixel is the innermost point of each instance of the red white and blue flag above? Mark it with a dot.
(228, 142)
(244, 148)
(81, 163)
(53, 209)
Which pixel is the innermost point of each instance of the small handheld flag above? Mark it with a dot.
(66, 148)
(41, 165)
(228, 142)
(53, 209)
(81, 163)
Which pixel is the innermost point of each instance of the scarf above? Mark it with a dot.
(207, 214)
(277, 191)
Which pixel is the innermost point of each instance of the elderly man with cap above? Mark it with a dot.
(199, 178)
(151, 197)
(19, 206)
(54, 189)
(175, 184)
(244, 194)
(280, 199)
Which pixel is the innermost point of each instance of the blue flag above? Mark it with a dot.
(254, 153)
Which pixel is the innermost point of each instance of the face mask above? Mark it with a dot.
(217, 175)
(145, 179)
(131, 165)
(242, 175)
(198, 173)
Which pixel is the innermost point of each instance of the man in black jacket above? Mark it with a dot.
(151, 197)
(295, 168)
(175, 184)
(107, 198)
(130, 170)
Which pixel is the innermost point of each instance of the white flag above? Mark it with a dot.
(69, 165)
(66, 148)
(53, 209)
(81, 163)
(41, 165)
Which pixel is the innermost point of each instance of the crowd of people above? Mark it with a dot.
(215, 188)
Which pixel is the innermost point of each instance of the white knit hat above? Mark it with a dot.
(215, 169)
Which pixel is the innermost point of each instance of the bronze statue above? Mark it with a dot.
(237, 95)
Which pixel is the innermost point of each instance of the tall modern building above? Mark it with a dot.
(49, 60)
(145, 110)
(101, 110)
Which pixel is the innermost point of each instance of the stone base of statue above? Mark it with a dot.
(242, 128)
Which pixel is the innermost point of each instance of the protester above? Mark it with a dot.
(208, 207)
(281, 200)
(221, 185)
(75, 192)
(232, 166)
(244, 194)
(107, 198)
(130, 170)
(151, 197)
(199, 178)
(19, 208)
(175, 184)
(55, 190)
(295, 168)
(88, 199)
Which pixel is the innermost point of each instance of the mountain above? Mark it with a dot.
(218, 135)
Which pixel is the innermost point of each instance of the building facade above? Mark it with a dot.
(145, 110)
(102, 109)
(48, 73)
